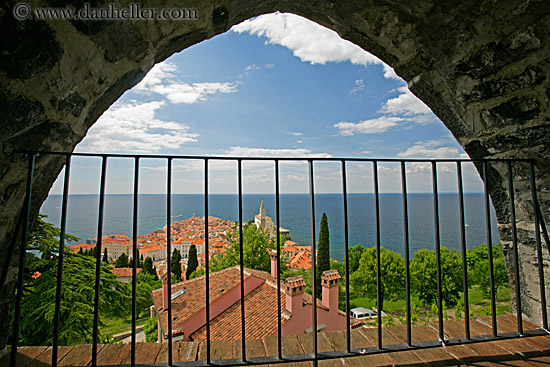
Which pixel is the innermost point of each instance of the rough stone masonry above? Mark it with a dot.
(482, 66)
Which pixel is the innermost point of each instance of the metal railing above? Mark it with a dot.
(316, 355)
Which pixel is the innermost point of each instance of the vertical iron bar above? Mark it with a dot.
(346, 254)
(277, 212)
(406, 240)
(22, 255)
(313, 260)
(206, 258)
(543, 229)
(379, 299)
(241, 253)
(515, 244)
(135, 256)
(98, 258)
(169, 254)
(60, 259)
(437, 250)
(539, 249)
(490, 247)
(463, 249)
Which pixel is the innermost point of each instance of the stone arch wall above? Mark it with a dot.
(482, 66)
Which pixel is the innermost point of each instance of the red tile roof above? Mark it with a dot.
(194, 299)
(123, 272)
(260, 305)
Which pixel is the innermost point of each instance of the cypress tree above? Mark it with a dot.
(148, 266)
(175, 266)
(105, 257)
(122, 261)
(193, 262)
(80, 252)
(323, 252)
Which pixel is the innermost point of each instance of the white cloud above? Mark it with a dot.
(431, 149)
(373, 126)
(162, 80)
(133, 127)
(251, 67)
(295, 133)
(157, 75)
(269, 66)
(366, 152)
(299, 141)
(307, 40)
(406, 104)
(359, 86)
(263, 152)
(389, 73)
(295, 178)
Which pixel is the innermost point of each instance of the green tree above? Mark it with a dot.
(364, 279)
(148, 267)
(354, 254)
(423, 270)
(122, 261)
(105, 257)
(146, 283)
(323, 255)
(77, 293)
(192, 262)
(175, 266)
(150, 329)
(197, 273)
(258, 244)
(478, 267)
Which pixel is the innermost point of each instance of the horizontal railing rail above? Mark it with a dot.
(381, 347)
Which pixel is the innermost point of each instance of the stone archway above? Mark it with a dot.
(483, 67)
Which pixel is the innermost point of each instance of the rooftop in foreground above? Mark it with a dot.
(530, 351)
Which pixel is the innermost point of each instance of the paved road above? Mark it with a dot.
(140, 337)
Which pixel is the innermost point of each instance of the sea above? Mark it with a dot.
(82, 218)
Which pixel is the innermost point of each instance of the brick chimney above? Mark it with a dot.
(165, 291)
(273, 254)
(294, 289)
(329, 285)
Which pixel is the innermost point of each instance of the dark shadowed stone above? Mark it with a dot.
(497, 87)
(32, 139)
(180, 43)
(488, 60)
(18, 113)
(531, 136)
(476, 149)
(119, 40)
(127, 81)
(87, 27)
(220, 16)
(22, 56)
(72, 103)
(516, 111)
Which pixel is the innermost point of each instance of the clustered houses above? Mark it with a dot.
(191, 232)
(260, 298)
(153, 245)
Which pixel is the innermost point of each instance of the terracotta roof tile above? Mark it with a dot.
(195, 296)
(124, 272)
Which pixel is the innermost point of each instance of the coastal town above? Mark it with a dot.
(188, 232)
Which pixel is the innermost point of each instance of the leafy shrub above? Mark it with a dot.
(150, 329)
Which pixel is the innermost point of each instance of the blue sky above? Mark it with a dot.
(273, 86)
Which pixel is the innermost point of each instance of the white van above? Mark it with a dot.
(364, 313)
